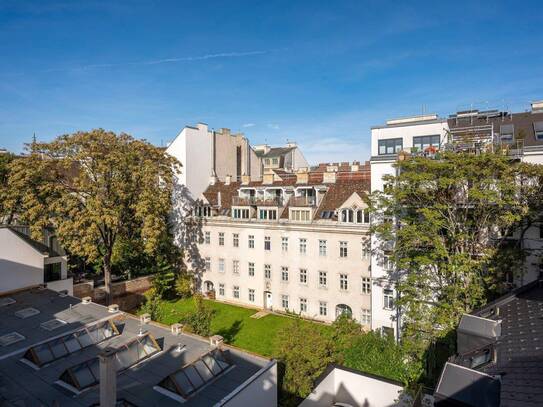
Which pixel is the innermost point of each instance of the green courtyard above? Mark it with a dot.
(234, 324)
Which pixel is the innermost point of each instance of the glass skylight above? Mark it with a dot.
(26, 313)
(87, 374)
(192, 377)
(57, 348)
(6, 301)
(11, 338)
(52, 324)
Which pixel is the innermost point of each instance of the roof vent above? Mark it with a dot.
(86, 300)
(11, 338)
(537, 107)
(6, 301)
(113, 308)
(63, 293)
(27, 313)
(176, 329)
(145, 318)
(216, 340)
(52, 324)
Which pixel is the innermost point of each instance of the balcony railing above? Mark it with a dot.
(310, 201)
(256, 201)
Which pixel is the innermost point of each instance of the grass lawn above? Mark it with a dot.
(234, 324)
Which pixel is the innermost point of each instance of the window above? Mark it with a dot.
(421, 143)
(236, 291)
(303, 246)
(251, 242)
(303, 276)
(284, 301)
(284, 273)
(303, 304)
(481, 358)
(207, 238)
(322, 279)
(267, 243)
(221, 290)
(323, 308)
(343, 282)
(251, 269)
(388, 263)
(366, 250)
(221, 238)
(284, 244)
(240, 213)
(322, 247)
(235, 239)
(52, 272)
(366, 285)
(507, 132)
(342, 249)
(300, 215)
(251, 295)
(267, 214)
(390, 146)
(347, 215)
(365, 317)
(221, 265)
(275, 161)
(267, 271)
(363, 216)
(388, 298)
(208, 264)
(538, 129)
(202, 211)
(235, 266)
(387, 332)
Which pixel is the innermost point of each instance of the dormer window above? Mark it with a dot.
(347, 215)
(240, 213)
(363, 216)
(267, 214)
(202, 211)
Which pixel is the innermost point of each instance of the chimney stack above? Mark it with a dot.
(108, 378)
(227, 180)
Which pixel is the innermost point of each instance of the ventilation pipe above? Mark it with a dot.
(108, 378)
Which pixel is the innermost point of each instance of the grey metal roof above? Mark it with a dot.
(274, 151)
(21, 384)
(476, 325)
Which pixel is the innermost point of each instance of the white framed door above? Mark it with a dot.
(268, 300)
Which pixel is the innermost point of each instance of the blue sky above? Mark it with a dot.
(319, 73)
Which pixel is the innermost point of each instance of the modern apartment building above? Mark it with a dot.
(518, 134)
(292, 241)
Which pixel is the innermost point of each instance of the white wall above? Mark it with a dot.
(260, 390)
(20, 264)
(353, 388)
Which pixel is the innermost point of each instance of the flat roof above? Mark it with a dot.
(23, 384)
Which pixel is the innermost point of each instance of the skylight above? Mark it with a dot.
(6, 301)
(11, 338)
(27, 313)
(87, 374)
(194, 376)
(50, 351)
(52, 324)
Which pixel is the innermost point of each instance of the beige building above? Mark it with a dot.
(292, 241)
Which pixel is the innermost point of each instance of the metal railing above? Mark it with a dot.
(256, 201)
(303, 201)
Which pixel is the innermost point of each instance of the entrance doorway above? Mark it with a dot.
(268, 300)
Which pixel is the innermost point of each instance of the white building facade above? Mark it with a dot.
(293, 242)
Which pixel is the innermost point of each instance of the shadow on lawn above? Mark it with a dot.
(230, 333)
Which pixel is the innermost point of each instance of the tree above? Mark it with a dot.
(184, 285)
(96, 188)
(443, 222)
(199, 320)
(152, 305)
(5, 161)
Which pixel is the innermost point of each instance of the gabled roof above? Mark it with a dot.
(274, 152)
(36, 245)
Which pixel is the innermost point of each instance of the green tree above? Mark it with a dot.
(165, 278)
(95, 188)
(443, 222)
(184, 285)
(152, 305)
(199, 320)
(5, 161)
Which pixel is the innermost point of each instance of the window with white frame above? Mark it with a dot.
(347, 215)
(538, 131)
(208, 263)
(267, 214)
(240, 213)
(388, 298)
(366, 285)
(267, 243)
(303, 304)
(322, 279)
(235, 291)
(251, 269)
(363, 216)
(221, 238)
(251, 241)
(323, 308)
(388, 263)
(300, 215)
(365, 316)
(303, 246)
(235, 240)
(221, 290)
(284, 244)
(303, 276)
(421, 143)
(343, 282)
(342, 249)
(202, 211)
(390, 146)
(284, 301)
(251, 295)
(284, 273)
(322, 247)
(366, 250)
(267, 271)
(207, 237)
(221, 265)
(235, 266)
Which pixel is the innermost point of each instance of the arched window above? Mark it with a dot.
(347, 215)
(343, 309)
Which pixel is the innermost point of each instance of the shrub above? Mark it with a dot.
(199, 320)
(184, 286)
(152, 305)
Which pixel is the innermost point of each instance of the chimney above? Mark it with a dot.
(537, 107)
(302, 176)
(224, 131)
(219, 198)
(227, 180)
(216, 341)
(355, 167)
(329, 177)
(213, 179)
(108, 378)
(245, 179)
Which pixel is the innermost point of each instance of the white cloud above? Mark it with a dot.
(248, 125)
(273, 126)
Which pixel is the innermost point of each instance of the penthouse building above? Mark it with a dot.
(291, 241)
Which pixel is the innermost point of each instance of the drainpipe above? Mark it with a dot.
(108, 378)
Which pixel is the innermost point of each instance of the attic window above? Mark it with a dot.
(6, 301)
(52, 324)
(327, 214)
(11, 338)
(27, 313)
(538, 128)
(507, 133)
(481, 358)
